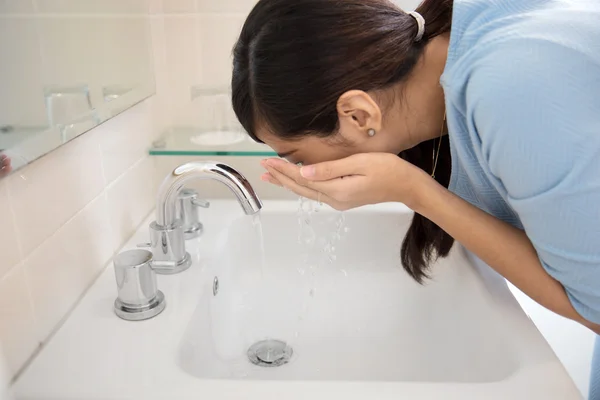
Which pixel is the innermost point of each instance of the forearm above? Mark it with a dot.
(503, 247)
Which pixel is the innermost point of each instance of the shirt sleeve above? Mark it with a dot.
(535, 105)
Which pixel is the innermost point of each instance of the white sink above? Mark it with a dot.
(359, 327)
(358, 317)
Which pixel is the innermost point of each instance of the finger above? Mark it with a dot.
(299, 189)
(286, 168)
(337, 188)
(340, 189)
(333, 169)
(267, 177)
(290, 170)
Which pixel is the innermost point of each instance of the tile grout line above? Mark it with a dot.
(43, 342)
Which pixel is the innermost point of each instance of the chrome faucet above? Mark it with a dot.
(167, 240)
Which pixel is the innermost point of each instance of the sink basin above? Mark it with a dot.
(331, 288)
(351, 313)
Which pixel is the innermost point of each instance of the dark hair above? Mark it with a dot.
(295, 58)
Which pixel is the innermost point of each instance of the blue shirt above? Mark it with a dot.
(522, 86)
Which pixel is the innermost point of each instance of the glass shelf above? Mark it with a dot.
(189, 141)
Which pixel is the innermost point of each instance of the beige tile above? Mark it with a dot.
(157, 32)
(161, 118)
(62, 268)
(179, 6)
(16, 6)
(227, 6)
(125, 139)
(184, 61)
(93, 6)
(9, 245)
(46, 193)
(22, 100)
(131, 198)
(219, 34)
(156, 6)
(162, 109)
(17, 324)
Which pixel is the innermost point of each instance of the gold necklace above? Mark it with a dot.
(436, 156)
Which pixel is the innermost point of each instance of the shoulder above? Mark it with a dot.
(504, 38)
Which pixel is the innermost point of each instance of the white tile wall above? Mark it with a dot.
(50, 191)
(67, 263)
(199, 36)
(225, 6)
(131, 197)
(218, 34)
(179, 6)
(16, 6)
(91, 6)
(63, 218)
(17, 330)
(184, 64)
(10, 247)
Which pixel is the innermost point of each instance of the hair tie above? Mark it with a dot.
(420, 25)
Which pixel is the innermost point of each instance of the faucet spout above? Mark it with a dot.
(174, 182)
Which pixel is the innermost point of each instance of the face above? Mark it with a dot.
(308, 150)
(358, 113)
(402, 117)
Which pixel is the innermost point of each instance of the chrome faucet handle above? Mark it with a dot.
(168, 248)
(201, 203)
(138, 297)
(187, 212)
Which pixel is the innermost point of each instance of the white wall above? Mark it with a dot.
(63, 218)
(4, 379)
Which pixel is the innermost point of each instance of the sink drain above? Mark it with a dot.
(270, 353)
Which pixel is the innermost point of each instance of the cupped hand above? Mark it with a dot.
(351, 182)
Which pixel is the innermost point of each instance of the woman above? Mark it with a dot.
(492, 105)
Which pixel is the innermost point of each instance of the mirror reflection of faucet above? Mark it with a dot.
(69, 108)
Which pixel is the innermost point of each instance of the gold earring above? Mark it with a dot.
(436, 156)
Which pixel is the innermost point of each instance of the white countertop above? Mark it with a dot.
(96, 355)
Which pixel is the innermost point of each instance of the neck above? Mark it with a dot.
(423, 105)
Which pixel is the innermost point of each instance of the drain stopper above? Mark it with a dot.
(270, 353)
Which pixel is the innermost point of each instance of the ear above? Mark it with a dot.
(358, 113)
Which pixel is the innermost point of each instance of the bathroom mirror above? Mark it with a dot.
(67, 66)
